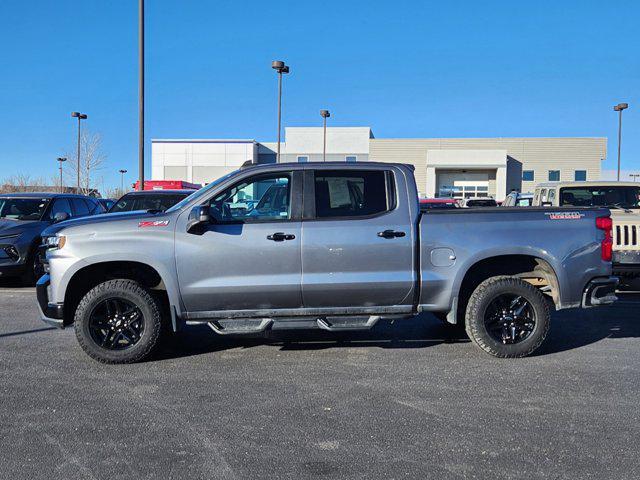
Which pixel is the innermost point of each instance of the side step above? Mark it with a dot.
(342, 324)
(240, 326)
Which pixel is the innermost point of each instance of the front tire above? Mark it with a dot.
(118, 321)
(507, 317)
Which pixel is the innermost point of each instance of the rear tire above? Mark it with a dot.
(507, 317)
(118, 321)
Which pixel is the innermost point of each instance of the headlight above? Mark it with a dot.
(54, 242)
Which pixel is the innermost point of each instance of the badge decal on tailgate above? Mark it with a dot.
(565, 215)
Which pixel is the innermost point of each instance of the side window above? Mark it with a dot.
(79, 207)
(260, 198)
(61, 205)
(94, 207)
(352, 193)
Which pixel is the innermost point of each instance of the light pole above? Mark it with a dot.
(141, 94)
(60, 161)
(619, 108)
(634, 176)
(324, 114)
(79, 116)
(122, 172)
(281, 68)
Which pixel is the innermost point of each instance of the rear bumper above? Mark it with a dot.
(600, 291)
(50, 313)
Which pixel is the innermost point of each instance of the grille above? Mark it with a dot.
(626, 237)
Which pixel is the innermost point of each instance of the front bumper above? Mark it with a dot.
(600, 291)
(50, 313)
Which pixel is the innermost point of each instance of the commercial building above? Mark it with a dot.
(457, 167)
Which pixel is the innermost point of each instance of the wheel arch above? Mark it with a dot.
(532, 268)
(88, 276)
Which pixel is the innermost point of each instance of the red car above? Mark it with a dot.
(428, 203)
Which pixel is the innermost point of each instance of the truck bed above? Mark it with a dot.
(453, 241)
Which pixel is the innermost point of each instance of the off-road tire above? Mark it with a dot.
(478, 303)
(133, 292)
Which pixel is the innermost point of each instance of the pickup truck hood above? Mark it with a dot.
(101, 218)
(18, 227)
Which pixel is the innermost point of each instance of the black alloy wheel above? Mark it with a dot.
(510, 318)
(116, 324)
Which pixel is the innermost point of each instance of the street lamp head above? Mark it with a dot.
(621, 106)
(122, 171)
(83, 116)
(324, 113)
(279, 66)
(62, 159)
(75, 114)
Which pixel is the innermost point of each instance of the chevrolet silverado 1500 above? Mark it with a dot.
(329, 245)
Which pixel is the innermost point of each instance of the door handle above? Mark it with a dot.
(280, 236)
(391, 234)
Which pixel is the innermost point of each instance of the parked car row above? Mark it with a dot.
(23, 217)
(326, 245)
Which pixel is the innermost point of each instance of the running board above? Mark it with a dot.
(240, 327)
(342, 324)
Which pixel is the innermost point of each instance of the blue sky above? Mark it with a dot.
(405, 68)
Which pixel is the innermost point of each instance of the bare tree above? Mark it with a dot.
(92, 159)
(22, 182)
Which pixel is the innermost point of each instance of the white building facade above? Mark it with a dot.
(454, 167)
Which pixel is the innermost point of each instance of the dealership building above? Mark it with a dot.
(452, 167)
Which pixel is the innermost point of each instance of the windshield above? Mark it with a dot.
(202, 192)
(151, 201)
(623, 197)
(23, 208)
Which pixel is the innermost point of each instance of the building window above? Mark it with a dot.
(580, 176)
(527, 176)
(351, 158)
(303, 159)
(554, 175)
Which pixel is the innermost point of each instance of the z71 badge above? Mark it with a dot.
(153, 223)
(565, 215)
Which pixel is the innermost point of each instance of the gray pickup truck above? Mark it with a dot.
(326, 245)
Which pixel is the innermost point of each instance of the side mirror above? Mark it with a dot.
(198, 216)
(60, 217)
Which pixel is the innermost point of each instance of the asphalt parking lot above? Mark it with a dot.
(409, 400)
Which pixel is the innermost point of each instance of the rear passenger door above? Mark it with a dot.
(357, 240)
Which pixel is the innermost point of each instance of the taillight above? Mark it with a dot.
(606, 224)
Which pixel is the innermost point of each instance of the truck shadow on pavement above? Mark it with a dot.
(419, 332)
(569, 330)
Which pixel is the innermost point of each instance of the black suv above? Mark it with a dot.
(23, 217)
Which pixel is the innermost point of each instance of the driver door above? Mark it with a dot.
(248, 258)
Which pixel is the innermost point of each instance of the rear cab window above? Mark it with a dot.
(353, 193)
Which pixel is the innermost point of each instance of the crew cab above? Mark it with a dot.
(623, 198)
(335, 246)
